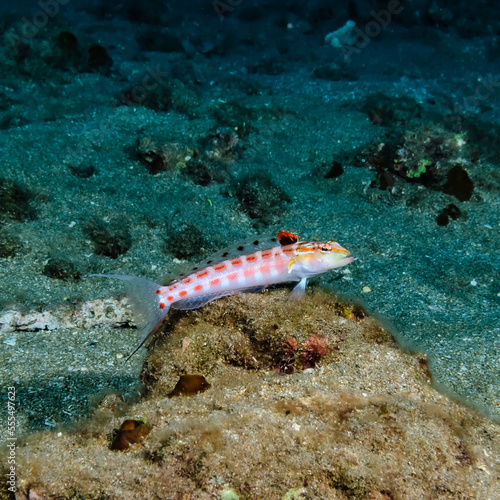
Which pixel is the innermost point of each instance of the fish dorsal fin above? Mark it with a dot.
(250, 245)
(286, 238)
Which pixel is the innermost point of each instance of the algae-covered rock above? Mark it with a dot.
(363, 423)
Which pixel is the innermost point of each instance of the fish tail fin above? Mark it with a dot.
(145, 304)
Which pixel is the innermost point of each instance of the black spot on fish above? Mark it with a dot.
(274, 239)
(225, 254)
(240, 248)
(209, 261)
(256, 242)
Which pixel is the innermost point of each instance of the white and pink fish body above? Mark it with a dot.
(235, 270)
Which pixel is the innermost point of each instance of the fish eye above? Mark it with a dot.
(325, 249)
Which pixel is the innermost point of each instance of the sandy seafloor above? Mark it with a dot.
(266, 108)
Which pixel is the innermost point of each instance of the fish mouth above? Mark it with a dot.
(344, 261)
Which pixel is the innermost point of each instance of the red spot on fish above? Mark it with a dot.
(219, 268)
(236, 262)
(265, 268)
(266, 255)
(248, 272)
(158, 291)
(232, 276)
(307, 249)
(182, 293)
(170, 297)
(188, 280)
(251, 258)
(198, 287)
(162, 305)
(215, 282)
(202, 275)
(288, 250)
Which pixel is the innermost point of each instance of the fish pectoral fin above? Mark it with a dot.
(299, 290)
(196, 302)
(200, 301)
(292, 262)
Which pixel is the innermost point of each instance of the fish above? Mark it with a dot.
(248, 266)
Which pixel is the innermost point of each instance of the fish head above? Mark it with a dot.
(317, 258)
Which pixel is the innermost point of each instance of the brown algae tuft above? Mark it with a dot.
(130, 432)
(189, 385)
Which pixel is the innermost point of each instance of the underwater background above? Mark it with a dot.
(138, 138)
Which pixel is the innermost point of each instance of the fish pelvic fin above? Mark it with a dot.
(298, 291)
(144, 301)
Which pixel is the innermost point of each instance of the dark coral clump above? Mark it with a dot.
(314, 348)
(163, 95)
(293, 357)
(99, 59)
(9, 244)
(458, 184)
(160, 154)
(450, 212)
(61, 268)
(260, 198)
(287, 357)
(223, 144)
(235, 116)
(430, 156)
(110, 240)
(206, 173)
(16, 202)
(336, 170)
(55, 50)
(82, 171)
(157, 40)
(187, 243)
(390, 111)
(68, 43)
